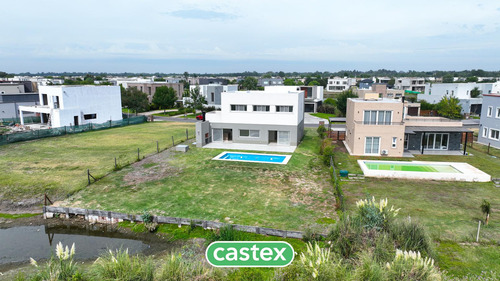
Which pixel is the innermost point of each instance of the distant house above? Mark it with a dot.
(254, 117)
(414, 84)
(263, 82)
(489, 124)
(365, 84)
(381, 89)
(313, 95)
(76, 105)
(338, 84)
(212, 92)
(149, 88)
(13, 95)
(383, 127)
(435, 92)
(210, 81)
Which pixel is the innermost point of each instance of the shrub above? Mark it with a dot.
(411, 236)
(368, 268)
(321, 131)
(225, 233)
(375, 214)
(409, 265)
(119, 265)
(59, 267)
(326, 108)
(327, 154)
(314, 263)
(146, 216)
(311, 235)
(346, 237)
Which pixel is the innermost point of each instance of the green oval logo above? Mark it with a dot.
(250, 254)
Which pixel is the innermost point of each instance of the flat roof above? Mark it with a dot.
(433, 129)
(376, 100)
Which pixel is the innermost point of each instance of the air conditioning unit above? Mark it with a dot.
(385, 152)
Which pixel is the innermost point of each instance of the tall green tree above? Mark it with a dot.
(134, 99)
(341, 100)
(449, 107)
(474, 93)
(249, 83)
(164, 97)
(289, 82)
(448, 78)
(196, 100)
(314, 83)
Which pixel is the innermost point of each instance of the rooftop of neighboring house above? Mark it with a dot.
(378, 100)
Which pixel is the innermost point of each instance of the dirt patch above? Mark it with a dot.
(153, 168)
(339, 147)
(30, 205)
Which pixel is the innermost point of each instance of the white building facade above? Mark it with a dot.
(313, 95)
(77, 105)
(338, 84)
(255, 117)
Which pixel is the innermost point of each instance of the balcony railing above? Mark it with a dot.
(378, 123)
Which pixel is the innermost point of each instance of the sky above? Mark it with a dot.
(216, 36)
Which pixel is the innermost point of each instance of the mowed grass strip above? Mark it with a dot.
(290, 196)
(59, 165)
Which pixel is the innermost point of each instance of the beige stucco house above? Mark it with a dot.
(382, 127)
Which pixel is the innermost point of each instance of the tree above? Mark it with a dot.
(448, 78)
(249, 83)
(486, 209)
(342, 100)
(134, 99)
(186, 75)
(314, 83)
(321, 131)
(196, 100)
(449, 107)
(289, 82)
(425, 105)
(164, 97)
(391, 83)
(474, 93)
(472, 79)
(330, 101)
(281, 74)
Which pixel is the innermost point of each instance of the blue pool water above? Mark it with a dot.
(264, 158)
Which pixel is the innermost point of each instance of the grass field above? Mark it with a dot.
(59, 165)
(288, 196)
(449, 210)
(323, 115)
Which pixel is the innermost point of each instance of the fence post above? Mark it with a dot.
(65, 130)
(478, 228)
(173, 143)
(489, 147)
(187, 137)
(115, 163)
(138, 156)
(157, 147)
(88, 175)
(110, 123)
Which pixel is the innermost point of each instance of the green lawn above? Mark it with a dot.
(59, 165)
(290, 196)
(449, 210)
(323, 115)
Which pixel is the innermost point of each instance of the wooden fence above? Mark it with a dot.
(114, 217)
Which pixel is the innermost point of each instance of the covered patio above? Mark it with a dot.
(436, 140)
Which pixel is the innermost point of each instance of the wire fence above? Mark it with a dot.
(44, 133)
(339, 194)
(12, 121)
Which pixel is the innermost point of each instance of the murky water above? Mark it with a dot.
(18, 244)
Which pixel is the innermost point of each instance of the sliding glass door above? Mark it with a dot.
(435, 141)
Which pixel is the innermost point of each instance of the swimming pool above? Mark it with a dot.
(448, 171)
(253, 157)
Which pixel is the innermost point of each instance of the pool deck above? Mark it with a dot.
(251, 147)
(467, 172)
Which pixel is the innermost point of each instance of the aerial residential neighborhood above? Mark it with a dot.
(219, 140)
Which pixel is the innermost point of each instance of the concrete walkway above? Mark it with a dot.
(313, 120)
(254, 147)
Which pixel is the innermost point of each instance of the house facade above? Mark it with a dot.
(149, 88)
(414, 84)
(339, 84)
(13, 95)
(254, 117)
(489, 124)
(263, 82)
(313, 95)
(384, 127)
(76, 105)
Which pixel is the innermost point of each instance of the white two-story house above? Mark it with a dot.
(254, 117)
(76, 105)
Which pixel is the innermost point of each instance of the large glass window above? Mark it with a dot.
(494, 134)
(284, 137)
(264, 108)
(217, 135)
(238, 107)
(249, 133)
(372, 145)
(377, 117)
(284, 108)
(435, 141)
